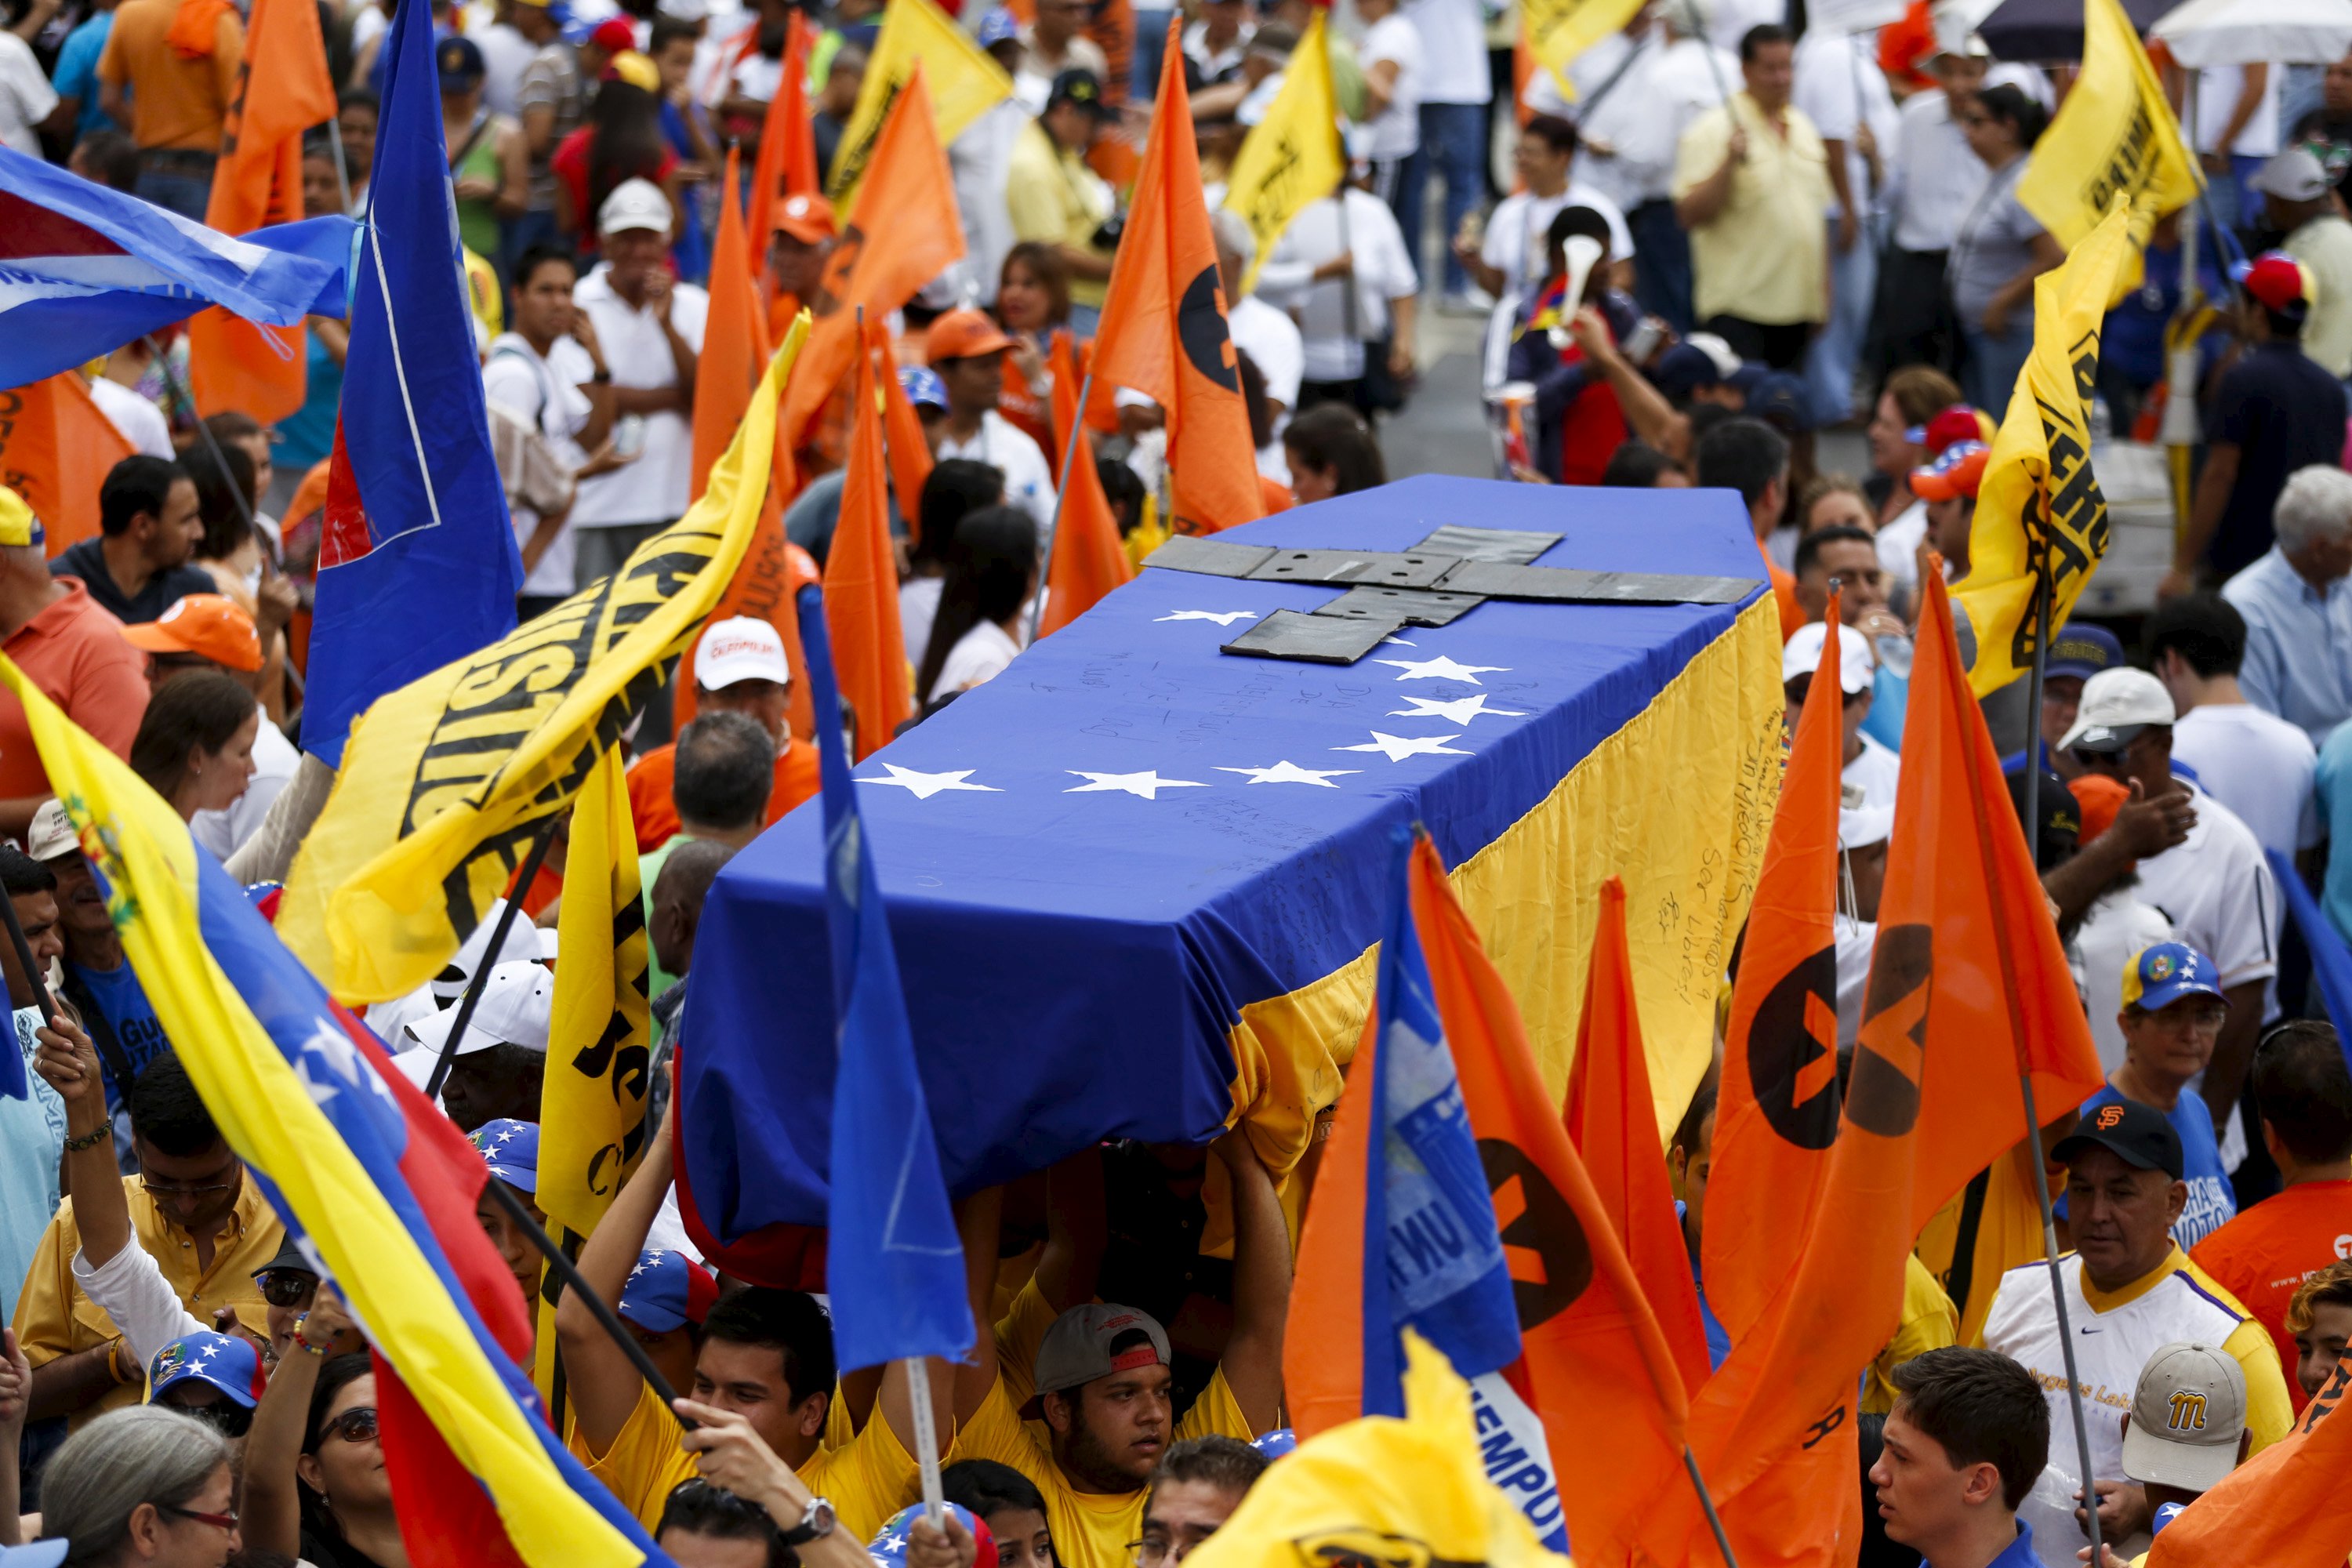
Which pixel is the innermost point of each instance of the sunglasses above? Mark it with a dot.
(286, 1287)
(356, 1425)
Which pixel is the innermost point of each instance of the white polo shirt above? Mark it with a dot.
(2258, 765)
(1028, 477)
(653, 487)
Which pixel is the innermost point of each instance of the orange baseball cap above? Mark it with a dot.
(963, 334)
(2100, 799)
(206, 625)
(806, 218)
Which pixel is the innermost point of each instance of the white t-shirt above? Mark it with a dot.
(1453, 51)
(1028, 477)
(2115, 930)
(1383, 272)
(1395, 131)
(138, 421)
(2217, 88)
(1271, 340)
(1898, 550)
(2258, 765)
(1932, 177)
(981, 654)
(979, 160)
(505, 54)
(653, 487)
(2216, 889)
(1519, 233)
(545, 394)
(276, 760)
(918, 605)
(26, 96)
(1869, 780)
(1840, 88)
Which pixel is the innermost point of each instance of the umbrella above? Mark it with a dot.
(2249, 32)
(2053, 29)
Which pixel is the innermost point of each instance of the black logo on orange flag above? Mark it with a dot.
(1543, 1245)
(1793, 1053)
(1883, 1097)
(1200, 327)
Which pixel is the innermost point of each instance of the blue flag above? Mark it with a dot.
(2331, 962)
(1432, 1257)
(85, 269)
(417, 564)
(894, 1263)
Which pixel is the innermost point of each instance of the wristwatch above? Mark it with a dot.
(815, 1524)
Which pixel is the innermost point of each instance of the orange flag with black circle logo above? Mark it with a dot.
(861, 582)
(1089, 559)
(1164, 323)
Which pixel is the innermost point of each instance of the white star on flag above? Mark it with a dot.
(1444, 668)
(1147, 784)
(1460, 711)
(922, 786)
(1396, 748)
(322, 1087)
(1291, 772)
(1223, 617)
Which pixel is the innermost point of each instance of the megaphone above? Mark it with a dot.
(1582, 253)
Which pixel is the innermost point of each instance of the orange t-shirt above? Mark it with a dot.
(1784, 594)
(74, 652)
(2264, 1253)
(651, 776)
(175, 102)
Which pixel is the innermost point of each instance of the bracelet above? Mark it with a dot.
(114, 1361)
(90, 1140)
(601, 378)
(304, 1344)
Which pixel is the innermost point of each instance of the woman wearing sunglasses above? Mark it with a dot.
(314, 1478)
(147, 1486)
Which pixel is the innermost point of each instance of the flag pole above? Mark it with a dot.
(481, 977)
(1061, 499)
(25, 961)
(342, 175)
(1706, 1506)
(926, 1437)
(185, 393)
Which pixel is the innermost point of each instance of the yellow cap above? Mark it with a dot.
(17, 523)
(637, 69)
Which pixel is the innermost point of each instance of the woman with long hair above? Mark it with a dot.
(992, 571)
(621, 141)
(1333, 452)
(1033, 301)
(194, 745)
(146, 1486)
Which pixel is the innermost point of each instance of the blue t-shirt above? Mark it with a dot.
(2212, 1202)
(692, 250)
(124, 1007)
(1718, 1338)
(77, 73)
(32, 1136)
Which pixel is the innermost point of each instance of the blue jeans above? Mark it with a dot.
(1151, 46)
(1829, 363)
(186, 194)
(1661, 264)
(1990, 374)
(1453, 147)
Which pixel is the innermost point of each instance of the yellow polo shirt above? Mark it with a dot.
(1765, 257)
(55, 1319)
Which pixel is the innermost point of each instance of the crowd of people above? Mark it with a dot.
(1733, 235)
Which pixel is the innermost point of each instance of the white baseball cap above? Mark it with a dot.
(517, 1007)
(51, 834)
(2117, 705)
(1801, 655)
(741, 649)
(634, 204)
(2188, 1415)
(523, 942)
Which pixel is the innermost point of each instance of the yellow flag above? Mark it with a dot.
(2038, 494)
(965, 82)
(445, 781)
(1557, 31)
(1293, 156)
(591, 1113)
(2114, 136)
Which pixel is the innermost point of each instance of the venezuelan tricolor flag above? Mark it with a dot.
(376, 1187)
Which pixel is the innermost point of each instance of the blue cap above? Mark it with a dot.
(459, 61)
(1683, 370)
(922, 385)
(888, 1548)
(2167, 973)
(1274, 1444)
(1750, 375)
(667, 1291)
(997, 27)
(511, 1149)
(1778, 399)
(2083, 649)
(227, 1361)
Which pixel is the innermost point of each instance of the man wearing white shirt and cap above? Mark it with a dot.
(1870, 769)
(498, 1064)
(1932, 180)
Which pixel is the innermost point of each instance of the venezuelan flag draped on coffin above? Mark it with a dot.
(1134, 882)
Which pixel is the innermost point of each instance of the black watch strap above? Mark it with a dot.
(817, 1521)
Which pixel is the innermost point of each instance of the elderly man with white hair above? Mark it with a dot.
(2297, 601)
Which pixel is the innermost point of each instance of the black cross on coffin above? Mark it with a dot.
(1443, 578)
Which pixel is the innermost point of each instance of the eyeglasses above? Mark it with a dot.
(156, 1189)
(217, 1521)
(356, 1425)
(286, 1287)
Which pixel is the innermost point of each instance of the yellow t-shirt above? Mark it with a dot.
(867, 1479)
(1052, 197)
(1928, 1323)
(1091, 1530)
(1764, 257)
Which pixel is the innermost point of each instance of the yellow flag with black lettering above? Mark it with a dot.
(965, 79)
(592, 1112)
(1292, 157)
(1557, 31)
(2039, 502)
(445, 782)
(2114, 136)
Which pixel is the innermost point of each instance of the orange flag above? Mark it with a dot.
(1613, 1123)
(1164, 323)
(1089, 558)
(1589, 1342)
(902, 428)
(56, 450)
(2289, 1506)
(734, 340)
(1777, 1111)
(861, 582)
(233, 363)
(907, 180)
(787, 162)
